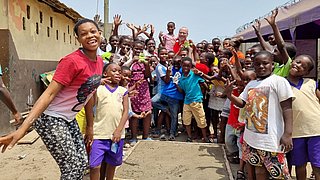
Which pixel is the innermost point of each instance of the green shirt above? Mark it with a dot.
(106, 56)
(283, 69)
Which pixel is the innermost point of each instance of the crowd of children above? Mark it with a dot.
(251, 100)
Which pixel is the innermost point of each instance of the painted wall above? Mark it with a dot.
(27, 51)
(48, 39)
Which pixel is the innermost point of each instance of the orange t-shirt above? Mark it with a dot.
(240, 56)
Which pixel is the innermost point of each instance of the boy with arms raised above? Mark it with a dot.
(268, 132)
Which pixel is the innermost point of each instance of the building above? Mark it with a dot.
(34, 35)
(299, 23)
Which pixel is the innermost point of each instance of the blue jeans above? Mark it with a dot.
(232, 140)
(163, 103)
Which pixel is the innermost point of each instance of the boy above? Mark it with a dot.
(268, 106)
(171, 96)
(189, 83)
(283, 52)
(306, 113)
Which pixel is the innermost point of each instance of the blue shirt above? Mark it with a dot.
(190, 85)
(170, 89)
(160, 72)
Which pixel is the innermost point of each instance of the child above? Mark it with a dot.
(189, 83)
(125, 80)
(283, 52)
(267, 136)
(76, 78)
(141, 103)
(108, 125)
(107, 56)
(150, 48)
(216, 44)
(162, 77)
(124, 53)
(235, 127)
(168, 40)
(306, 113)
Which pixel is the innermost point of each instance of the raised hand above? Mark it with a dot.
(117, 20)
(257, 25)
(160, 34)
(106, 80)
(131, 26)
(272, 19)
(145, 27)
(152, 28)
(97, 19)
(229, 87)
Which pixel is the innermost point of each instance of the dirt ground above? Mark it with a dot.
(174, 160)
(28, 162)
(147, 160)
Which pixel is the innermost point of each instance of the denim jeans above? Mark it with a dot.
(232, 140)
(163, 103)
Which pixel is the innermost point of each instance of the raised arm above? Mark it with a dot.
(278, 37)
(228, 91)
(166, 78)
(266, 46)
(237, 64)
(162, 41)
(133, 30)
(116, 23)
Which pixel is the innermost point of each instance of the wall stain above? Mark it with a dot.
(17, 8)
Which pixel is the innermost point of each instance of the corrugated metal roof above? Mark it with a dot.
(302, 12)
(63, 9)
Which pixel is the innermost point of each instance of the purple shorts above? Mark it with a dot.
(306, 149)
(101, 151)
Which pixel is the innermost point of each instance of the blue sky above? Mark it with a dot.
(205, 19)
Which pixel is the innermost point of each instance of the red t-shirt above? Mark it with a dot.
(203, 68)
(234, 113)
(176, 46)
(80, 77)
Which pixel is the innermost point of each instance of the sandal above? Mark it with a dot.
(240, 175)
(312, 176)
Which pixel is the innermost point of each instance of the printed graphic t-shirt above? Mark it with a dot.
(263, 118)
(80, 77)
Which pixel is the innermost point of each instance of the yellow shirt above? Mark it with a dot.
(306, 110)
(109, 109)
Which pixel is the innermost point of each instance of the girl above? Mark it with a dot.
(76, 78)
(150, 48)
(141, 102)
(108, 125)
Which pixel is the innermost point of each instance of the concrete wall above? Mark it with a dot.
(38, 40)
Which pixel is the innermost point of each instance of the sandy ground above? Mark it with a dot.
(174, 160)
(147, 160)
(28, 162)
